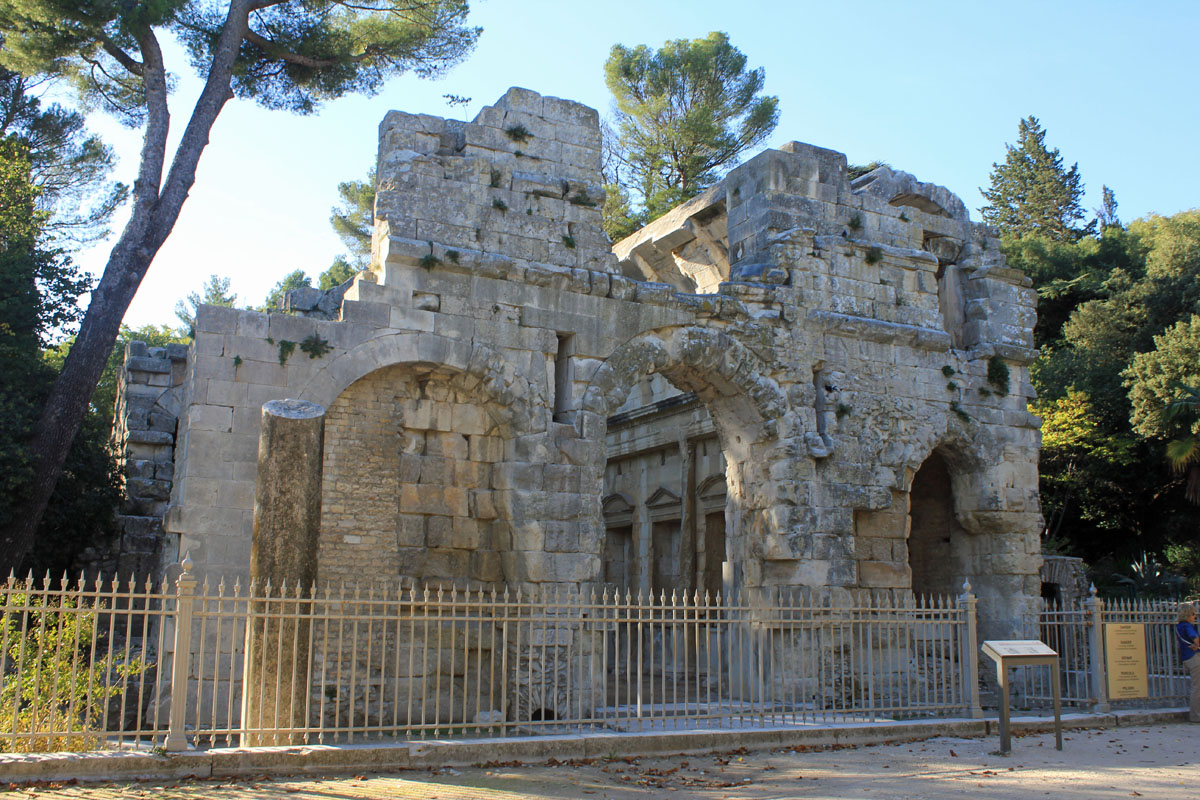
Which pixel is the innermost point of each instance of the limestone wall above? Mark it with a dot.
(852, 339)
(143, 438)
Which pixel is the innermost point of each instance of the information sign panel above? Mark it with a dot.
(1125, 660)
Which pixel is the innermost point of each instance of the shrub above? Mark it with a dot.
(49, 688)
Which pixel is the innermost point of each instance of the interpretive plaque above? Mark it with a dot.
(1008, 653)
(1125, 660)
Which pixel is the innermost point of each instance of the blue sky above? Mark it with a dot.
(934, 88)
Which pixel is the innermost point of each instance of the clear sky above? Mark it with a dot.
(933, 88)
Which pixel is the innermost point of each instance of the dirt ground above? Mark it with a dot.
(1155, 762)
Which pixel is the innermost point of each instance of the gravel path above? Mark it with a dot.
(1156, 762)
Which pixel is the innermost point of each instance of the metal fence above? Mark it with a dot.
(1077, 633)
(92, 664)
(100, 664)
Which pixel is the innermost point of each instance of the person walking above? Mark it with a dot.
(1188, 639)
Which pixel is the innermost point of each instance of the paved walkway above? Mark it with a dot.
(1155, 762)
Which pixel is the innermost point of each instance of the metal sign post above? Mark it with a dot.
(1023, 653)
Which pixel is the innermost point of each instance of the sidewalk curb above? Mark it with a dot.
(328, 759)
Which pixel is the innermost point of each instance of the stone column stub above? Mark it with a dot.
(287, 496)
(287, 525)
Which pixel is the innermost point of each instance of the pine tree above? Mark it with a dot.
(1031, 193)
(685, 113)
(216, 293)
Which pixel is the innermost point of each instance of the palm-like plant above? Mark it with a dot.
(1184, 452)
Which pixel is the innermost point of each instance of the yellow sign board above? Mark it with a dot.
(1125, 648)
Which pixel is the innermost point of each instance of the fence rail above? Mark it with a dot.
(94, 664)
(1076, 633)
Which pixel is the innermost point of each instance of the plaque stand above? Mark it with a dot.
(1023, 653)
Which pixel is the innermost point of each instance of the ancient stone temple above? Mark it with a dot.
(794, 379)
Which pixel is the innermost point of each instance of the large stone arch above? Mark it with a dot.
(998, 551)
(711, 363)
(750, 413)
(515, 401)
(418, 429)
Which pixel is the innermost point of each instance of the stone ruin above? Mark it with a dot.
(795, 379)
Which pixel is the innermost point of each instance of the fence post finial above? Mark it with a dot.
(185, 588)
(969, 654)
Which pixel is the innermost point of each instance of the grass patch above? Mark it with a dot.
(315, 346)
(518, 133)
(998, 375)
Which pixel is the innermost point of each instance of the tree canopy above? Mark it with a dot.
(68, 166)
(284, 54)
(353, 218)
(684, 113)
(1031, 192)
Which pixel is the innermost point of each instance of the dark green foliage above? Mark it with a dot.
(842, 410)
(1031, 192)
(618, 217)
(998, 375)
(39, 289)
(429, 261)
(581, 199)
(1106, 214)
(499, 205)
(856, 171)
(353, 218)
(237, 362)
(1069, 273)
(293, 280)
(286, 348)
(518, 133)
(684, 114)
(948, 371)
(874, 255)
(960, 412)
(569, 241)
(452, 256)
(855, 223)
(216, 293)
(951, 386)
(315, 346)
(338, 273)
(494, 179)
(69, 167)
(984, 391)
(1107, 487)
(337, 48)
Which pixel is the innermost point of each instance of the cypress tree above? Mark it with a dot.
(1031, 192)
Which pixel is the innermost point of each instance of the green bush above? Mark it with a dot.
(49, 686)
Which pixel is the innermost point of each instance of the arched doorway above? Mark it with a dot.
(937, 543)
